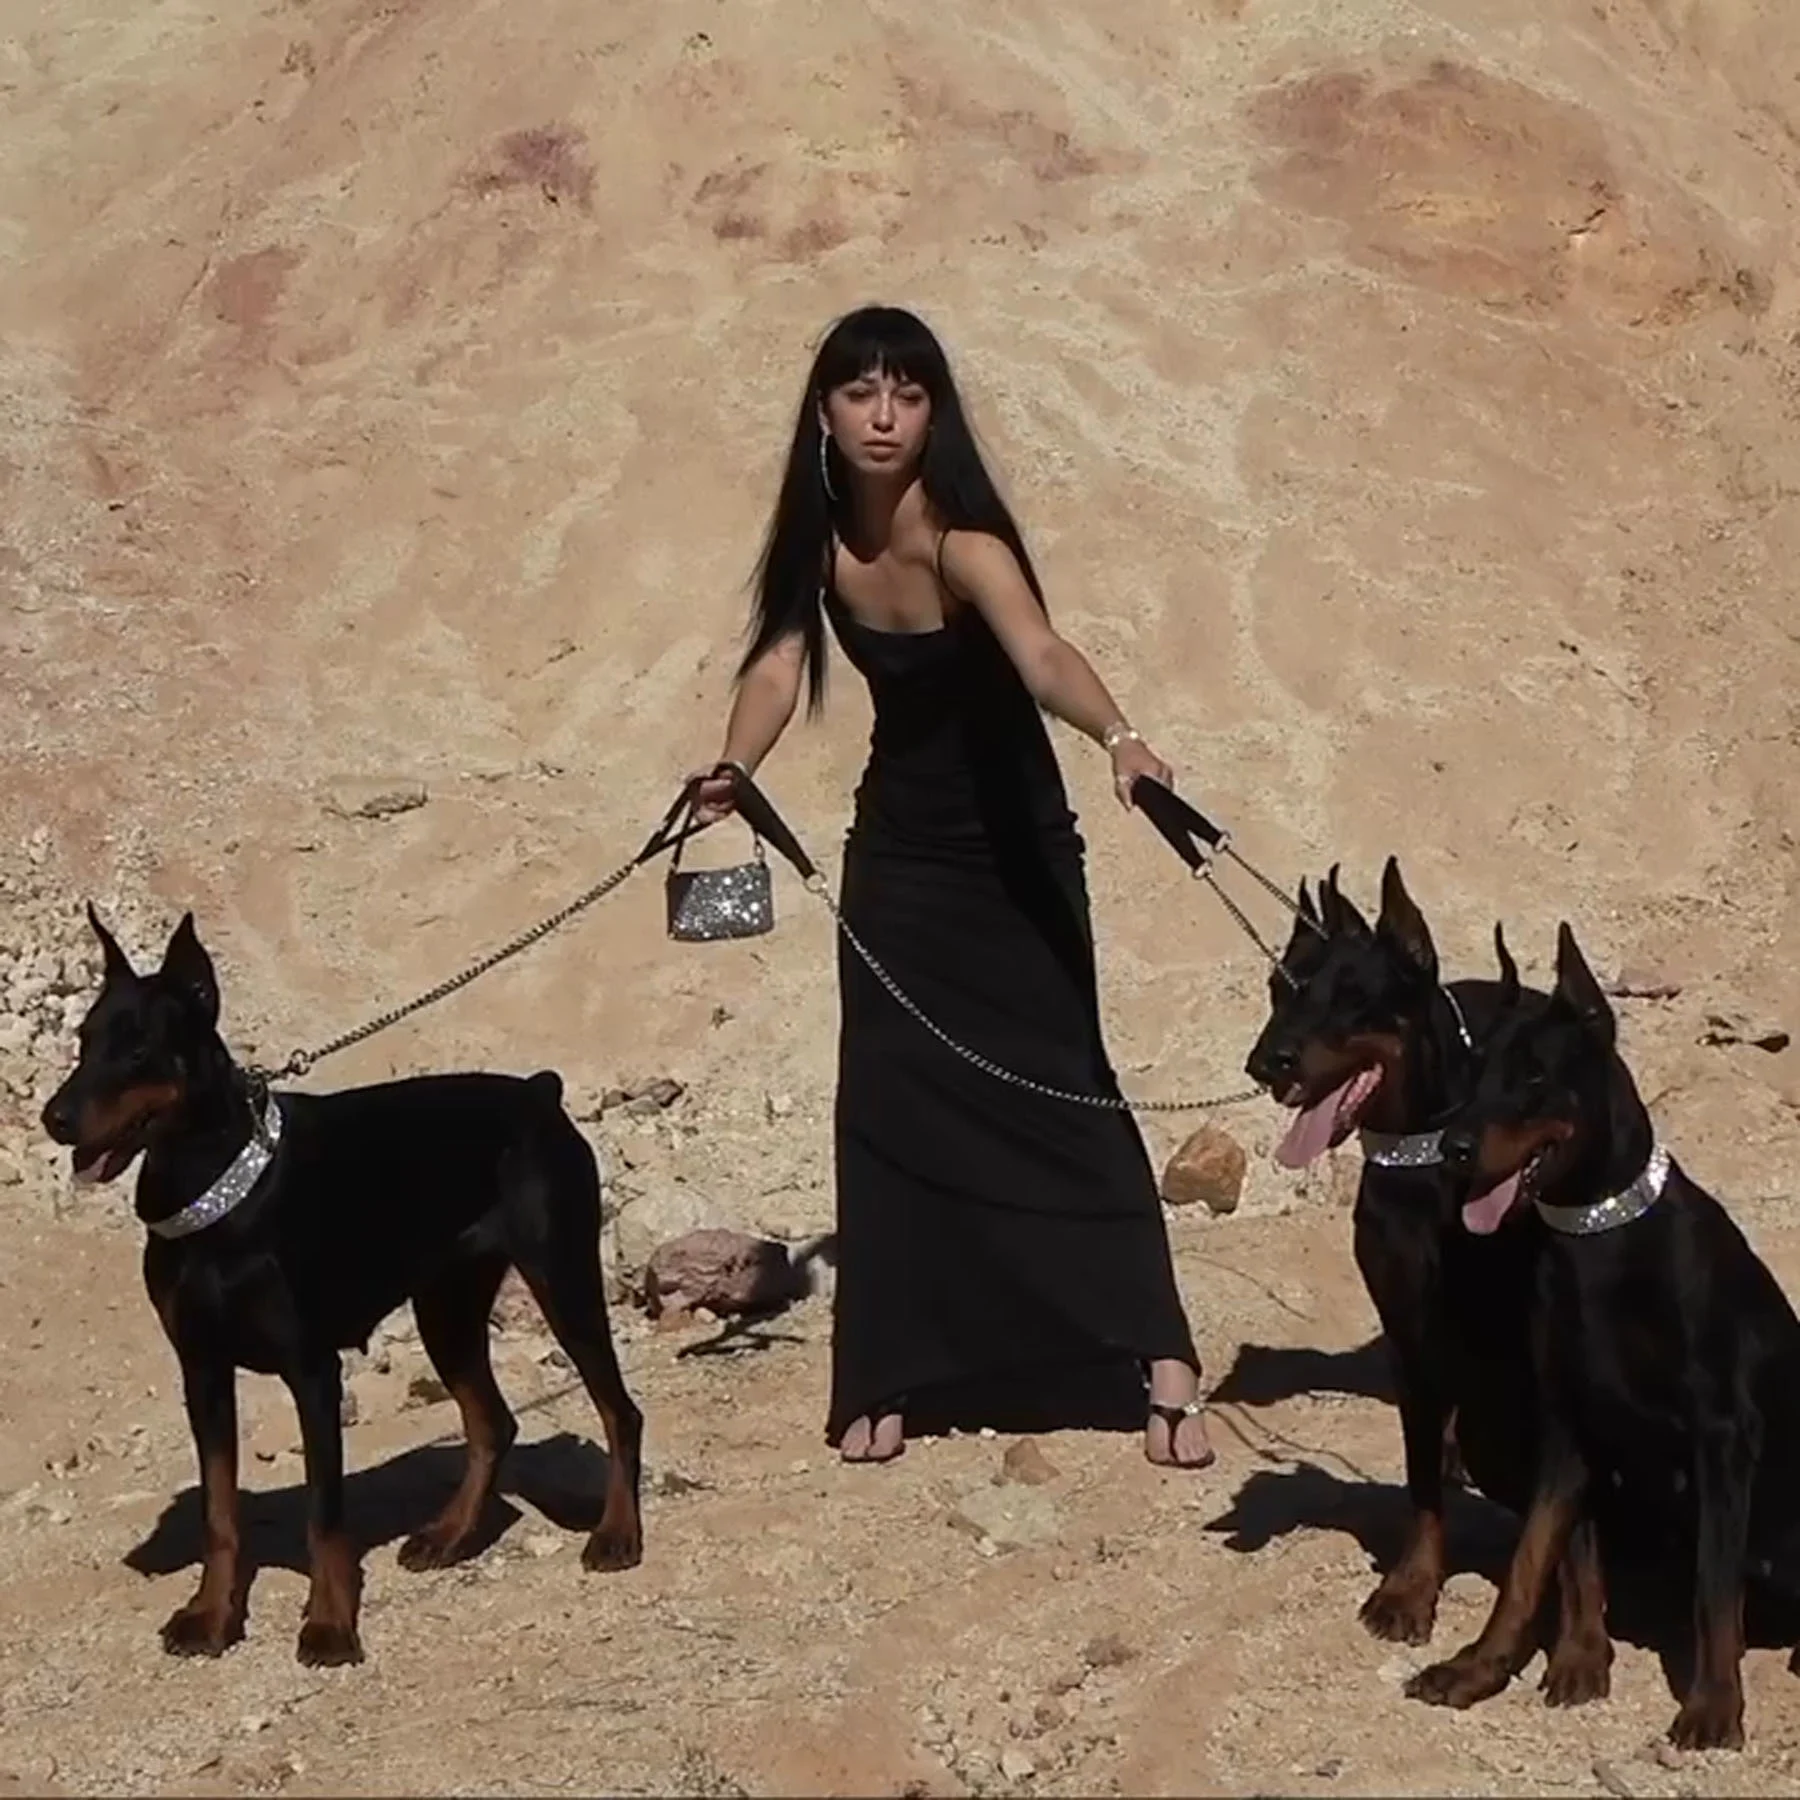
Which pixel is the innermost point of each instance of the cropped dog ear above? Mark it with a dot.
(186, 964)
(1509, 970)
(1403, 925)
(1308, 910)
(115, 964)
(1577, 989)
(1337, 912)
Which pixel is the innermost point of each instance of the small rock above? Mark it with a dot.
(1015, 1765)
(664, 1211)
(1009, 1516)
(426, 1390)
(1609, 1777)
(374, 799)
(643, 1099)
(1209, 1168)
(1024, 1462)
(723, 1272)
(1048, 1716)
(1725, 1030)
(780, 1106)
(1330, 1769)
(543, 1544)
(11, 1174)
(1666, 1754)
(1108, 1651)
(1635, 983)
(349, 1408)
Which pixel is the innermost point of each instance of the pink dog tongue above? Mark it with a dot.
(1309, 1137)
(1484, 1215)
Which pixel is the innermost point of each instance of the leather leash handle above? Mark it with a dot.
(1178, 823)
(760, 815)
(666, 836)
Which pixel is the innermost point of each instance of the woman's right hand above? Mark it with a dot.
(716, 796)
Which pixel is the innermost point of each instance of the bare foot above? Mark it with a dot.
(879, 1442)
(1175, 1433)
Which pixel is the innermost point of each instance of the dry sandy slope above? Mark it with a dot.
(1401, 397)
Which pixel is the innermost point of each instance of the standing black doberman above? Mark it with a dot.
(283, 1228)
(1363, 1036)
(1668, 1358)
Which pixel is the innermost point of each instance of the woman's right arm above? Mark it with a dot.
(765, 701)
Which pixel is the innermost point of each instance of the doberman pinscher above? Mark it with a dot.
(1668, 1358)
(1363, 1036)
(283, 1228)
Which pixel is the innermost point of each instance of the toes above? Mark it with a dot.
(192, 1632)
(327, 1646)
(1401, 1615)
(428, 1550)
(608, 1551)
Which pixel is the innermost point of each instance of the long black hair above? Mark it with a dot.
(874, 340)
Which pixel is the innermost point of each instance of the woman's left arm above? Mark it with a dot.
(983, 571)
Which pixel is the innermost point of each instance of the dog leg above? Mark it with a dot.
(328, 1635)
(214, 1619)
(1580, 1663)
(453, 1319)
(1712, 1716)
(574, 1306)
(1403, 1608)
(1508, 1640)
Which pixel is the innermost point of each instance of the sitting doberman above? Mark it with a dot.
(282, 1228)
(1668, 1357)
(1362, 1036)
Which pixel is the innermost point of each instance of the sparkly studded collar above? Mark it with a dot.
(233, 1187)
(1402, 1150)
(1414, 1149)
(1615, 1209)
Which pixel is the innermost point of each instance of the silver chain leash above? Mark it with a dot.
(1102, 1102)
(302, 1060)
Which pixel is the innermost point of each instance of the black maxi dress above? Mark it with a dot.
(1002, 1256)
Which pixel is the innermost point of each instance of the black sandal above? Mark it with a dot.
(1172, 1416)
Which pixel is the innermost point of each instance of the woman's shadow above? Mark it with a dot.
(562, 1476)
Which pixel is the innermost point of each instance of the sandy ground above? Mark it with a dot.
(1402, 400)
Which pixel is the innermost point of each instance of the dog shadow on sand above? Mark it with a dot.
(1649, 1602)
(562, 1476)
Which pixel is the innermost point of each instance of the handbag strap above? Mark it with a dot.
(690, 800)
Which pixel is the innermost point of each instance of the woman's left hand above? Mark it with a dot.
(1130, 759)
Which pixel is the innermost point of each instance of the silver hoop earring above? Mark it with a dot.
(825, 465)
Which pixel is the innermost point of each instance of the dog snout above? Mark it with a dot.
(60, 1120)
(1459, 1148)
(1273, 1065)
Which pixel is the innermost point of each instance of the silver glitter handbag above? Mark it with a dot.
(706, 905)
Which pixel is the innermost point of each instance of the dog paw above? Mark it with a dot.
(1400, 1615)
(608, 1550)
(1574, 1677)
(1711, 1720)
(327, 1646)
(1461, 1682)
(427, 1550)
(193, 1632)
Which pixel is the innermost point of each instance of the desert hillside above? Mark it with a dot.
(1401, 398)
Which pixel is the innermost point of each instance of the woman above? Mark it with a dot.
(987, 1235)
